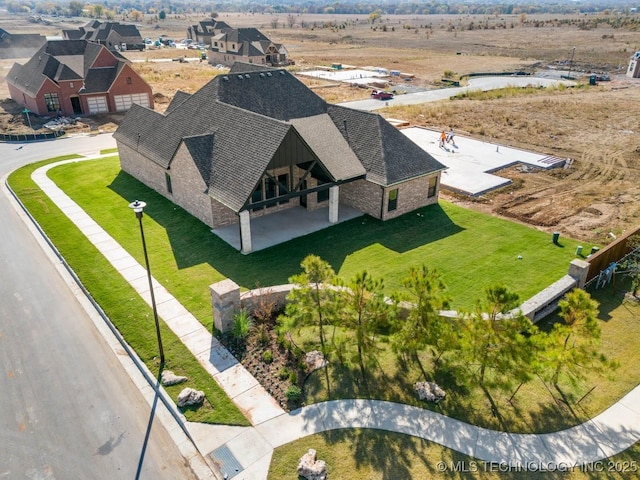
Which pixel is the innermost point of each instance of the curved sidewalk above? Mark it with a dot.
(609, 433)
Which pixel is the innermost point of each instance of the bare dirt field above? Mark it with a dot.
(596, 126)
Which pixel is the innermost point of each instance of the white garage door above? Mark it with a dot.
(124, 102)
(97, 104)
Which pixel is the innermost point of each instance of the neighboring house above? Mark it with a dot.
(72, 77)
(113, 35)
(634, 66)
(258, 141)
(203, 31)
(247, 45)
(19, 45)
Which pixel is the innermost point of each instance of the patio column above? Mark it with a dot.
(245, 231)
(334, 194)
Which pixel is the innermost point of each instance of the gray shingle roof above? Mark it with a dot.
(383, 150)
(64, 60)
(333, 151)
(177, 99)
(274, 93)
(236, 123)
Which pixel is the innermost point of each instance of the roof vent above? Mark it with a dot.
(225, 78)
(240, 77)
(268, 74)
(261, 75)
(247, 75)
(281, 72)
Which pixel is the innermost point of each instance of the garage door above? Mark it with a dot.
(97, 104)
(124, 102)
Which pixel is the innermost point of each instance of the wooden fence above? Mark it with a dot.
(611, 253)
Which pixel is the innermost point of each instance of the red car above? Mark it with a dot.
(381, 95)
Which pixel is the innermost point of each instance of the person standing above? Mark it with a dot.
(450, 137)
(443, 138)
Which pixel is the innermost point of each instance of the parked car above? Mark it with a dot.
(381, 95)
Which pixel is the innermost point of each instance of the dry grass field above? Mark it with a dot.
(597, 126)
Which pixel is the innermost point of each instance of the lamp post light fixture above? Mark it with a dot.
(138, 208)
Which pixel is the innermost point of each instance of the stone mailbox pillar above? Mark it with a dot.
(225, 300)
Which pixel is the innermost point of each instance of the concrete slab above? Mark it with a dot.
(470, 162)
(279, 227)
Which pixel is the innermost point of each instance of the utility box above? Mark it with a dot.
(593, 80)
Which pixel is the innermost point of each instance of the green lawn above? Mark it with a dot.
(128, 312)
(359, 454)
(471, 250)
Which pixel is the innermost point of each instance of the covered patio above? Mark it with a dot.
(278, 227)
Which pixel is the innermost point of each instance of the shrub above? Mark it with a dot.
(267, 356)
(293, 377)
(293, 394)
(283, 373)
(242, 325)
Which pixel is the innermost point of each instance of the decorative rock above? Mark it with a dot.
(429, 391)
(189, 396)
(315, 360)
(310, 468)
(170, 378)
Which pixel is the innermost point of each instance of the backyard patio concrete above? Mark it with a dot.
(278, 227)
(470, 162)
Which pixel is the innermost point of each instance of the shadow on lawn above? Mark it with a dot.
(193, 243)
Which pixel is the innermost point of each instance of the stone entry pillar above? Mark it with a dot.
(245, 231)
(225, 300)
(579, 269)
(334, 196)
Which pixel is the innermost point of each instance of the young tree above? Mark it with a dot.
(364, 311)
(75, 8)
(312, 302)
(291, 20)
(424, 327)
(573, 346)
(499, 340)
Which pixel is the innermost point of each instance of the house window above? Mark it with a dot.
(392, 204)
(433, 187)
(128, 80)
(233, 46)
(70, 84)
(52, 101)
(167, 178)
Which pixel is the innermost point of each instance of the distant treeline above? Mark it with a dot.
(359, 7)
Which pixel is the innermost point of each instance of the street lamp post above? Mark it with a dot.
(138, 208)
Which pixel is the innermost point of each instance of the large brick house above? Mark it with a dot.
(258, 141)
(113, 35)
(246, 45)
(203, 31)
(73, 77)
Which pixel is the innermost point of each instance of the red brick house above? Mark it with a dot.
(74, 77)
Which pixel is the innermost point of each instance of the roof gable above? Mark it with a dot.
(382, 148)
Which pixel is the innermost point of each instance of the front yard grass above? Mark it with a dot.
(472, 251)
(126, 309)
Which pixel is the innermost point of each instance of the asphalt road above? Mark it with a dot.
(68, 410)
(479, 83)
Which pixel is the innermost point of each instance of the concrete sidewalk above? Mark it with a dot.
(245, 452)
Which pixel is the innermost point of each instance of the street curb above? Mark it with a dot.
(170, 418)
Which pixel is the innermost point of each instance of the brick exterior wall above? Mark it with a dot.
(140, 167)
(412, 195)
(222, 215)
(362, 195)
(188, 187)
